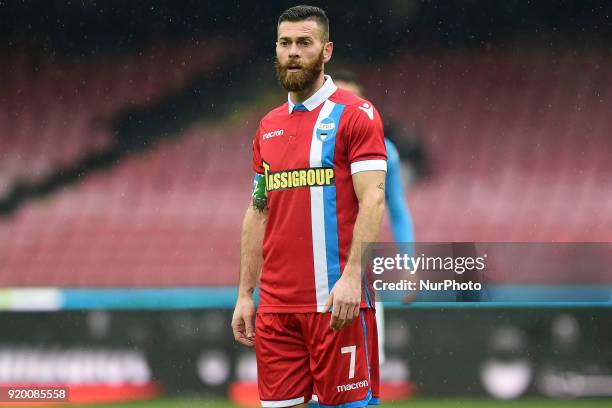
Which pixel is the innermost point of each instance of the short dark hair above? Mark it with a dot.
(349, 76)
(346, 75)
(301, 13)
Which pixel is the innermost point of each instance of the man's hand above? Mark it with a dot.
(243, 321)
(344, 300)
(345, 297)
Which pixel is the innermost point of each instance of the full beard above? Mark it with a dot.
(301, 80)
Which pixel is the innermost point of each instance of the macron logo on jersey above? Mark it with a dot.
(272, 134)
(368, 109)
(352, 386)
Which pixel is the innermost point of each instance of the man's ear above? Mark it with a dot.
(328, 49)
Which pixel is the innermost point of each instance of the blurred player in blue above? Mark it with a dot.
(395, 196)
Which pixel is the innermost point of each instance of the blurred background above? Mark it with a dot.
(125, 151)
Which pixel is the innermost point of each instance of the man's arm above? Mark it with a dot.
(251, 243)
(346, 294)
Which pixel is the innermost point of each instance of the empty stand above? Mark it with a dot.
(520, 144)
(170, 217)
(52, 112)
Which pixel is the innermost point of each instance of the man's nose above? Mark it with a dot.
(294, 50)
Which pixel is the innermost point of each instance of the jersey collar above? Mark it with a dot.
(318, 97)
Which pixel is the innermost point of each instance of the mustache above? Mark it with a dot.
(305, 74)
(292, 64)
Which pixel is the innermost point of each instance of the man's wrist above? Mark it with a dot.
(352, 270)
(245, 293)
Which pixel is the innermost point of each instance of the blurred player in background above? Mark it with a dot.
(320, 163)
(395, 197)
(404, 167)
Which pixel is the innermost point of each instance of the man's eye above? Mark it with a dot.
(306, 43)
(283, 43)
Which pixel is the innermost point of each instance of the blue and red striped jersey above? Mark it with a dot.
(307, 154)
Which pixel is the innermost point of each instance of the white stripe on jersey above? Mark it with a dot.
(317, 215)
(366, 165)
(285, 403)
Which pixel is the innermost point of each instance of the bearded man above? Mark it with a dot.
(319, 194)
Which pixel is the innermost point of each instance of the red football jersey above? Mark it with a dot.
(307, 154)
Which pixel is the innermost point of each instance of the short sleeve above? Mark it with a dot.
(366, 142)
(257, 160)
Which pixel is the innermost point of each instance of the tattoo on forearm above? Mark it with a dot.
(260, 204)
(382, 186)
